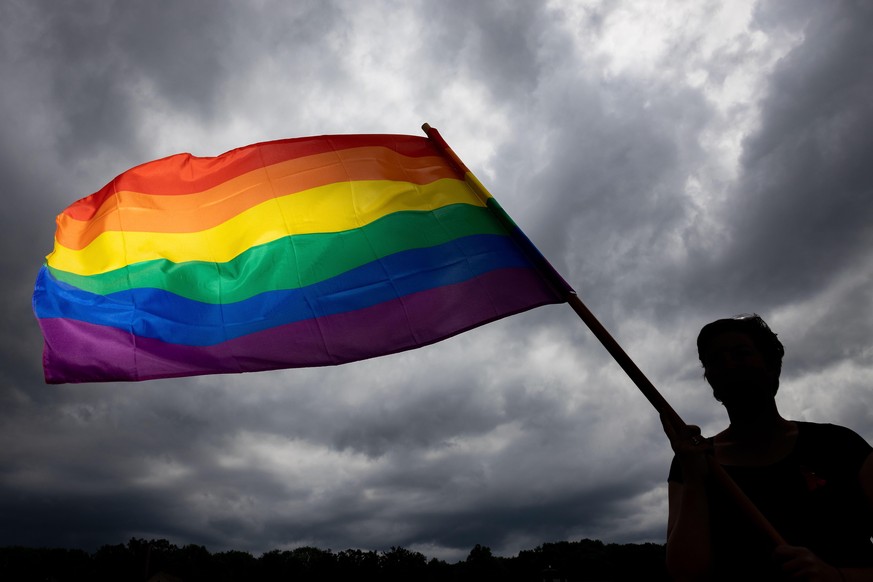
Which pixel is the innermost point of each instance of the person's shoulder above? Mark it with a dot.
(827, 430)
(832, 439)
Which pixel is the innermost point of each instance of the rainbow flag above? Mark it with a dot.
(293, 253)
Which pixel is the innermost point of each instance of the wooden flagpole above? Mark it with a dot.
(627, 364)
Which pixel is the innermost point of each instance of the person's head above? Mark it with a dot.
(740, 350)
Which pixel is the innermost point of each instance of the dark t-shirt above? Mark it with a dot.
(812, 497)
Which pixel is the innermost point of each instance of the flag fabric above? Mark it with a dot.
(292, 253)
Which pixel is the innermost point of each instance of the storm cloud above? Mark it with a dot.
(677, 162)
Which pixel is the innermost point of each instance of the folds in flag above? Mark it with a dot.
(301, 252)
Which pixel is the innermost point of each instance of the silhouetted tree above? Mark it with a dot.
(481, 564)
(137, 560)
(440, 570)
(638, 561)
(192, 563)
(276, 566)
(312, 563)
(403, 564)
(356, 563)
(39, 564)
(234, 565)
(115, 562)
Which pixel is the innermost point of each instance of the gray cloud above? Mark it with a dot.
(664, 197)
(802, 208)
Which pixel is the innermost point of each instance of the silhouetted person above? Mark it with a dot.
(813, 482)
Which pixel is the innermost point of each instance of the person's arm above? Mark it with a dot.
(688, 547)
(689, 553)
(802, 565)
(866, 478)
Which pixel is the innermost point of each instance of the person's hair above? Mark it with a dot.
(755, 328)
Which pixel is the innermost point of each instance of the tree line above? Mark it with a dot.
(160, 561)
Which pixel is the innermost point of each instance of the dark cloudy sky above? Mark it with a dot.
(677, 161)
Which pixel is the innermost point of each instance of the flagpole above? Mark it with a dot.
(615, 350)
(627, 364)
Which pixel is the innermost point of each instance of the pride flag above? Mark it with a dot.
(301, 252)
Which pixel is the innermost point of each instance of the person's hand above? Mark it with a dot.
(798, 563)
(690, 448)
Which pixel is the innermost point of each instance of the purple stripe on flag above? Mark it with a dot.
(401, 324)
